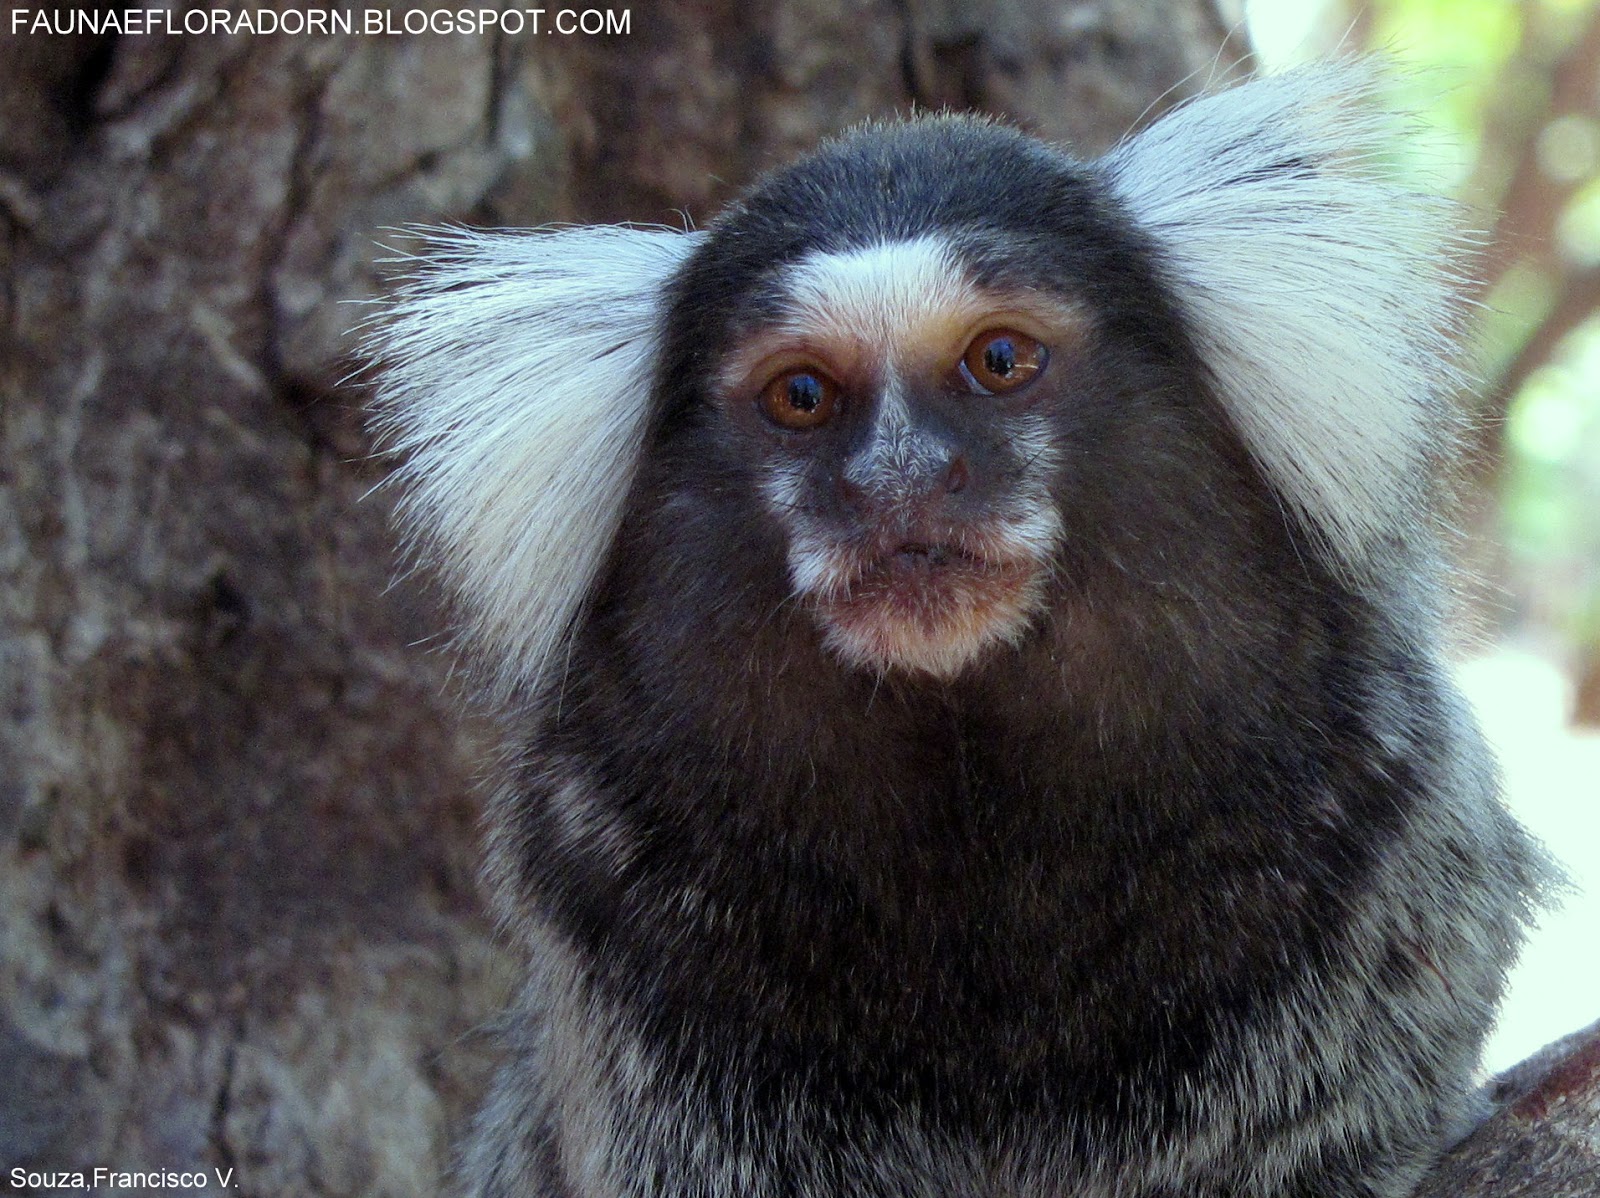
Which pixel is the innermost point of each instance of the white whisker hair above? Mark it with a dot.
(1324, 293)
(517, 387)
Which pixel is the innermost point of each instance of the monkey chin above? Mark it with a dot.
(929, 610)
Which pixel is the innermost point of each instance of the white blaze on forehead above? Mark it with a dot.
(893, 308)
(894, 296)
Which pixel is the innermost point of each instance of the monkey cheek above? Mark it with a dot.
(933, 622)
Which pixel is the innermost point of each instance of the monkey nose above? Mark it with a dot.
(917, 488)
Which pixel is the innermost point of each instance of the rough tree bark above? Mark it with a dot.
(1544, 1141)
(239, 926)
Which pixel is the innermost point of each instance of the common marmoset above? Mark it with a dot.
(972, 619)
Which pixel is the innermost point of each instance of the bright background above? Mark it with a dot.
(1510, 93)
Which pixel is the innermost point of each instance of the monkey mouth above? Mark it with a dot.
(922, 605)
(913, 559)
(932, 583)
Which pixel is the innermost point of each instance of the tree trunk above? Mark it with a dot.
(238, 915)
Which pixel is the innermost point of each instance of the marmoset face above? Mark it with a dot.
(920, 384)
(899, 419)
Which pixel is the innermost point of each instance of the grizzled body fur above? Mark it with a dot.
(1193, 885)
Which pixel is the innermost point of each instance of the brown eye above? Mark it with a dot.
(1002, 360)
(800, 399)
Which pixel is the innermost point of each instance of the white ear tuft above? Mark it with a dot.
(1325, 296)
(517, 379)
